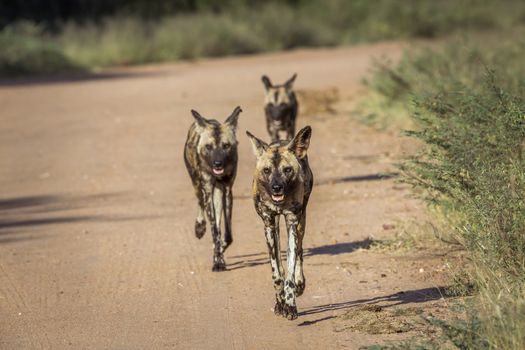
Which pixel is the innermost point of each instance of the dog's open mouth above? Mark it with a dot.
(278, 197)
(218, 171)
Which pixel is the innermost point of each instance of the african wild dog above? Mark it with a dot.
(280, 107)
(282, 185)
(210, 154)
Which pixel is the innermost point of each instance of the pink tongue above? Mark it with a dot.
(278, 198)
(218, 171)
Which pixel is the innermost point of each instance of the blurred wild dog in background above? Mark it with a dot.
(282, 185)
(210, 154)
(280, 107)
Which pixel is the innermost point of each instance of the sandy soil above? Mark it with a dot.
(97, 249)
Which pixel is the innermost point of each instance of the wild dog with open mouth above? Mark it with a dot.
(210, 154)
(280, 107)
(282, 185)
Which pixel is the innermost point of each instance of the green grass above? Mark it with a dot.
(238, 29)
(466, 103)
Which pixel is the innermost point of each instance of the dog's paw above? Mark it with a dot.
(299, 287)
(289, 312)
(278, 308)
(200, 229)
(219, 265)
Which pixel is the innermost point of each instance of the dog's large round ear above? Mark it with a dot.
(266, 81)
(234, 117)
(259, 146)
(201, 121)
(301, 141)
(289, 82)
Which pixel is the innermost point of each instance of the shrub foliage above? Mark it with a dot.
(468, 108)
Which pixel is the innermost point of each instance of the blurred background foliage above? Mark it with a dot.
(54, 36)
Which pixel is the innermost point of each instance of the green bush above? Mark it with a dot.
(468, 108)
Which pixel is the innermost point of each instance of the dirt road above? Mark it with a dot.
(97, 249)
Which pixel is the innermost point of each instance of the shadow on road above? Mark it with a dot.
(257, 259)
(75, 77)
(339, 248)
(359, 178)
(19, 215)
(22, 202)
(400, 298)
(49, 203)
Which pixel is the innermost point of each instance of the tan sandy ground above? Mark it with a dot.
(97, 249)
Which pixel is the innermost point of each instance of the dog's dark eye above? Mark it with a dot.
(288, 170)
(267, 171)
(209, 147)
(226, 146)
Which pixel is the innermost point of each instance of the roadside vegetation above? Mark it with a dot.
(465, 103)
(171, 31)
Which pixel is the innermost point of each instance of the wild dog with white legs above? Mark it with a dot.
(282, 185)
(280, 107)
(210, 154)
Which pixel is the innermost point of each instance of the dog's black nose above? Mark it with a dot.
(217, 164)
(277, 188)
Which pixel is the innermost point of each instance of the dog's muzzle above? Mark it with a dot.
(277, 193)
(278, 113)
(218, 168)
